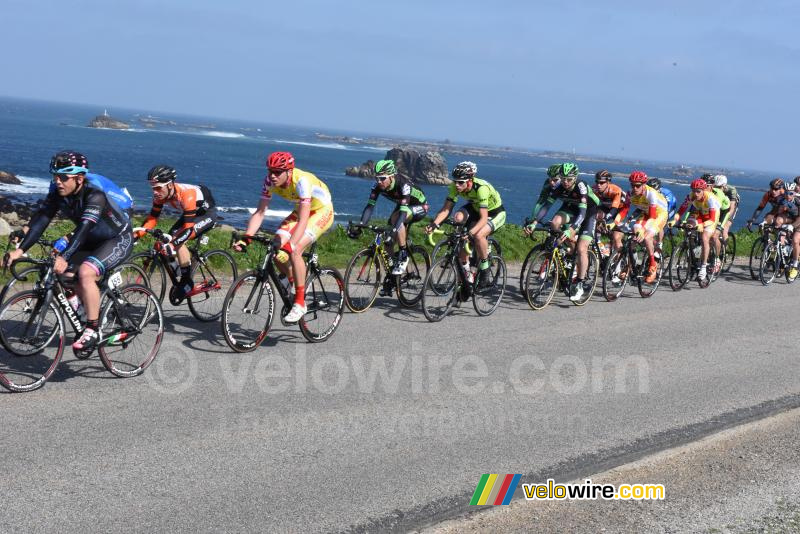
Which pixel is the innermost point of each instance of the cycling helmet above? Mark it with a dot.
(568, 170)
(720, 180)
(68, 162)
(699, 184)
(464, 170)
(655, 183)
(708, 178)
(791, 186)
(280, 161)
(552, 170)
(161, 174)
(797, 180)
(777, 183)
(602, 176)
(385, 167)
(638, 177)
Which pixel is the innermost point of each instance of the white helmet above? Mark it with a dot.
(720, 180)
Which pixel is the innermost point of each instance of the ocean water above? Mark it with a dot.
(228, 156)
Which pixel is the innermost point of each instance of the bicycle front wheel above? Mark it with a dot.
(324, 304)
(756, 253)
(589, 282)
(616, 275)
(730, 253)
(439, 292)
(524, 270)
(247, 312)
(646, 289)
(681, 269)
(541, 280)
(154, 271)
(362, 280)
(486, 299)
(768, 265)
(36, 333)
(410, 284)
(29, 278)
(131, 330)
(213, 276)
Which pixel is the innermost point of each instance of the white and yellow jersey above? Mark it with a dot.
(301, 186)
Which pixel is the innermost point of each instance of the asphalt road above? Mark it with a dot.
(306, 438)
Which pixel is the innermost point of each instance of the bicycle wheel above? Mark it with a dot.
(730, 253)
(438, 249)
(131, 330)
(486, 299)
(589, 283)
(710, 268)
(681, 269)
(409, 284)
(29, 277)
(36, 334)
(616, 275)
(155, 273)
(362, 280)
(756, 253)
(646, 289)
(768, 266)
(524, 270)
(541, 280)
(440, 288)
(213, 276)
(247, 312)
(325, 305)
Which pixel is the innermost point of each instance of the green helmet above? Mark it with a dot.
(552, 170)
(568, 169)
(385, 167)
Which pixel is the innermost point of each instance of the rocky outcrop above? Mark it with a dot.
(105, 121)
(425, 168)
(8, 178)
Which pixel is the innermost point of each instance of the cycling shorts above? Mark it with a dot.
(319, 221)
(497, 217)
(104, 256)
(418, 213)
(651, 226)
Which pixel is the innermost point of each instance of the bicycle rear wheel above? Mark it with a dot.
(439, 292)
(768, 265)
(131, 330)
(324, 304)
(362, 280)
(485, 300)
(247, 312)
(541, 280)
(36, 334)
(214, 274)
(730, 253)
(155, 273)
(409, 285)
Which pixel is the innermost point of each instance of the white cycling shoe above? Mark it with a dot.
(296, 313)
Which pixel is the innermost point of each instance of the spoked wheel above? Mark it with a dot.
(524, 269)
(486, 299)
(29, 278)
(440, 288)
(409, 285)
(247, 313)
(154, 270)
(325, 305)
(616, 275)
(541, 280)
(213, 276)
(681, 270)
(646, 289)
(768, 265)
(588, 284)
(363, 279)
(36, 335)
(730, 253)
(132, 328)
(756, 253)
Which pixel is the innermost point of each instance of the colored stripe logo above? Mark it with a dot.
(495, 489)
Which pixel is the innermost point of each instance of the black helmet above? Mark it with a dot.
(655, 183)
(161, 174)
(708, 178)
(465, 170)
(69, 162)
(602, 176)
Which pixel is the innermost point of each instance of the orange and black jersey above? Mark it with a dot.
(191, 200)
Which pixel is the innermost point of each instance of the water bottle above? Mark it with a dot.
(61, 244)
(77, 305)
(284, 280)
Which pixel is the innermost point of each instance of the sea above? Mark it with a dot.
(229, 156)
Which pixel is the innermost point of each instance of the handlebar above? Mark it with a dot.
(259, 238)
(157, 234)
(46, 262)
(374, 228)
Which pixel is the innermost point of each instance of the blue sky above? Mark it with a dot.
(696, 82)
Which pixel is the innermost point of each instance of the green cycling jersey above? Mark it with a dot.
(480, 195)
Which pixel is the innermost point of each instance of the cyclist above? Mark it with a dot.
(672, 204)
(198, 216)
(578, 209)
(724, 208)
(410, 207)
(651, 215)
(790, 211)
(727, 216)
(312, 217)
(102, 237)
(773, 196)
(706, 208)
(612, 197)
(484, 213)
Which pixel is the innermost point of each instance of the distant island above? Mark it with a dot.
(106, 121)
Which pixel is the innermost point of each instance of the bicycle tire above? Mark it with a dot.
(523, 271)
(325, 303)
(617, 264)
(207, 306)
(682, 268)
(756, 253)
(29, 371)
(730, 253)
(440, 289)
(155, 271)
(361, 290)
(409, 285)
(646, 290)
(123, 335)
(589, 283)
(768, 266)
(541, 272)
(493, 294)
(236, 329)
(14, 286)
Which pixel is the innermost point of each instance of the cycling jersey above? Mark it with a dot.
(410, 201)
(301, 187)
(768, 199)
(611, 200)
(96, 215)
(197, 208)
(731, 193)
(706, 209)
(724, 201)
(480, 195)
(672, 202)
(579, 204)
(789, 206)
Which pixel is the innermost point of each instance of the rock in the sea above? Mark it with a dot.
(8, 178)
(105, 121)
(426, 168)
(5, 228)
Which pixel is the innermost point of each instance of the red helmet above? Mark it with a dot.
(280, 161)
(638, 177)
(699, 184)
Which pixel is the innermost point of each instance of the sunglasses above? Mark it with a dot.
(697, 190)
(460, 182)
(633, 185)
(777, 188)
(381, 178)
(601, 182)
(61, 177)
